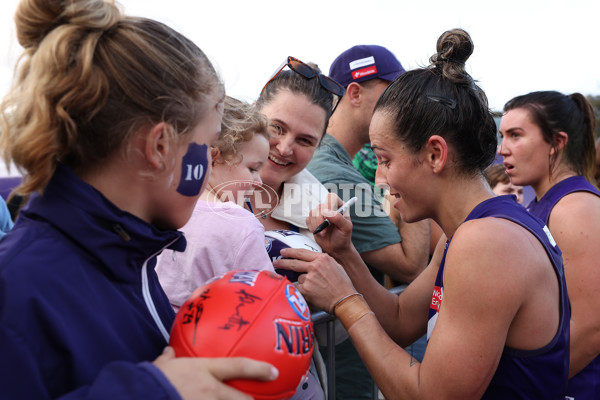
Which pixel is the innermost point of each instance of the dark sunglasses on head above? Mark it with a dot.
(306, 71)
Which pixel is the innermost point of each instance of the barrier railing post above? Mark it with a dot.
(331, 358)
(320, 317)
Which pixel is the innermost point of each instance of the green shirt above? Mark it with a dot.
(366, 162)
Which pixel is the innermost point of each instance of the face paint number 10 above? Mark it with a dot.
(195, 172)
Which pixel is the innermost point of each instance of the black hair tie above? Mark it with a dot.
(448, 102)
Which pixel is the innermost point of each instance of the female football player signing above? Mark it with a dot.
(493, 300)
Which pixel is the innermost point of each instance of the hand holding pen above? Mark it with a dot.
(340, 210)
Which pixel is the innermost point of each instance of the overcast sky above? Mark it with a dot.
(520, 45)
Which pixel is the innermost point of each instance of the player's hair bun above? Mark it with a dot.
(454, 47)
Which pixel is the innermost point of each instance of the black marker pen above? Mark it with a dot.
(341, 210)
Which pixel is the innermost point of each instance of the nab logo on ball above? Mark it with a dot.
(294, 338)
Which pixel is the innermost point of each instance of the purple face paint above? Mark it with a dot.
(194, 165)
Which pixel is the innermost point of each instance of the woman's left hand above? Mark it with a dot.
(322, 281)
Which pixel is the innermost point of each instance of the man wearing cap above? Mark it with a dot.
(400, 251)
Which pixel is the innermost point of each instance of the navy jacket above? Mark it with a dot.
(82, 314)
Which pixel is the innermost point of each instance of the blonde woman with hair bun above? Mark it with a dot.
(110, 119)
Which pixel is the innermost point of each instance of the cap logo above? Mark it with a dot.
(360, 73)
(362, 62)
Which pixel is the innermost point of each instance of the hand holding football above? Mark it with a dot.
(254, 314)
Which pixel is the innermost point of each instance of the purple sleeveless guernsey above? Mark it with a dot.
(522, 374)
(586, 384)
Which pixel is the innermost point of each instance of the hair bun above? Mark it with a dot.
(454, 47)
(34, 19)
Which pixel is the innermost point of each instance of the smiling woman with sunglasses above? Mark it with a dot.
(298, 100)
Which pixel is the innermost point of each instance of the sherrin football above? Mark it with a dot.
(276, 240)
(254, 314)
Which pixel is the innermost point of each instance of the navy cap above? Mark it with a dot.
(363, 62)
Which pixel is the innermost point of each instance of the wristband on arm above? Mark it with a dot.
(350, 309)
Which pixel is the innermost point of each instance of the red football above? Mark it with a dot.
(254, 314)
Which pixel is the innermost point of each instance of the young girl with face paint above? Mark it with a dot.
(493, 300)
(548, 143)
(111, 119)
(221, 235)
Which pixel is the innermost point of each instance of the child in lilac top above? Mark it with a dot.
(221, 234)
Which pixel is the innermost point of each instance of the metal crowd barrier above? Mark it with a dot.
(322, 317)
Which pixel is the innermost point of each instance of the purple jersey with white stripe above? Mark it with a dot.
(544, 206)
(586, 384)
(522, 374)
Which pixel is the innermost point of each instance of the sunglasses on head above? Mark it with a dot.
(308, 72)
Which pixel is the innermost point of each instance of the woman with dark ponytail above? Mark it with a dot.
(110, 118)
(548, 143)
(493, 300)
